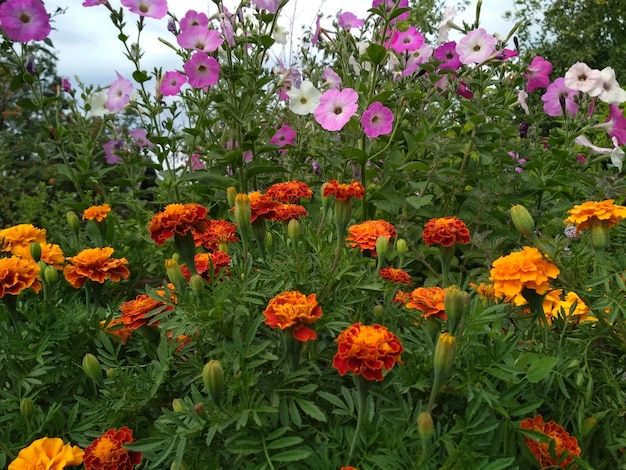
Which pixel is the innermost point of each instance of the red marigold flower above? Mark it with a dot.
(395, 275)
(429, 300)
(289, 191)
(17, 274)
(262, 205)
(216, 233)
(117, 327)
(343, 191)
(208, 264)
(293, 311)
(564, 444)
(97, 213)
(178, 218)
(107, 452)
(97, 265)
(137, 312)
(287, 212)
(21, 235)
(364, 235)
(366, 350)
(445, 231)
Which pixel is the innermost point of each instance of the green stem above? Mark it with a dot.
(362, 387)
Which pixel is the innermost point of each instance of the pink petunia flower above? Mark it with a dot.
(538, 74)
(316, 34)
(447, 24)
(140, 136)
(269, 5)
(377, 120)
(447, 55)
(581, 77)
(25, 20)
(284, 136)
(406, 41)
(202, 70)
(66, 85)
(476, 47)
(149, 8)
(336, 108)
(226, 26)
(172, 83)
(110, 149)
(333, 80)
(390, 6)
(615, 124)
(93, 3)
(610, 92)
(196, 163)
(556, 93)
(349, 21)
(193, 18)
(417, 57)
(118, 95)
(199, 38)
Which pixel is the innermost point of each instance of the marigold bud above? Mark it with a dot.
(382, 246)
(522, 220)
(588, 425)
(72, 220)
(401, 245)
(243, 212)
(197, 283)
(35, 251)
(599, 232)
(27, 408)
(425, 424)
(50, 274)
(444, 354)
(177, 405)
(378, 310)
(213, 378)
(293, 229)
(178, 465)
(223, 247)
(456, 305)
(231, 194)
(174, 273)
(92, 367)
(111, 372)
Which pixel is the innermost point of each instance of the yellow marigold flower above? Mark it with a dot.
(97, 213)
(48, 453)
(50, 254)
(585, 215)
(486, 292)
(522, 269)
(294, 310)
(565, 446)
(571, 307)
(17, 274)
(97, 265)
(21, 235)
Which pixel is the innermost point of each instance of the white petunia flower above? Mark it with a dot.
(305, 99)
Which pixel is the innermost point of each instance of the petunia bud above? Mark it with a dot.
(425, 425)
(522, 220)
(27, 408)
(30, 66)
(50, 274)
(293, 229)
(177, 405)
(231, 195)
(456, 305)
(213, 378)
(35, 251)
(72, 220)
(92, 367)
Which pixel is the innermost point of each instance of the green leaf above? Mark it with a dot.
(376, 53)
(539, 370)
(291, 455)
(141, 76)
(284, 442)
(312, 410)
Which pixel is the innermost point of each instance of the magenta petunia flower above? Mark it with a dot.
(406, 41)
(172, 82)
(202, 70)
(316, 34)
(476, 47)
(377, 120)
(615, 124)
(349, 21)
(140, 136)
(110, 149)
(25, 20)
(149, 8)
(118, 95)
(193, 18)
(556, 93)
(199, 38)
(284, 136)
(538, 74)
(336, 108)
(390, 5)
(464, 91)
(93, 3)
(66, 85)
(447, 55)
(269, 5)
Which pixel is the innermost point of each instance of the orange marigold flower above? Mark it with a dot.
(395, 275)
(180, 340)
(50, 254)
(289, 191)
(177, 218)
(429, 300)
(486, 292)
(107, 452)
(343, 191)
(294, 311)
(366, 350)
(117, 327)
(402, 297)
(97, 213)
(522, 269)
(583, 216)
(97, 265)
(445, 231)
(262, 205)
(565, 446)
(287, 212)
(364, 235)
(49, 453)
(208, 265)
(137, 312)
(571, 307)
(217, 232)
(21, 235)
(17, 274)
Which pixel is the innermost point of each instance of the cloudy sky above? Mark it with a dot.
(87, 42)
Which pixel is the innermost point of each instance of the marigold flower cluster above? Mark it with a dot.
(292, 310)
(266, 207)
(396, 275)
(216, 233)
(445, 231)
(584, 215)
(208, 265)
(564, 444)
(429, 300)
(18, 238)
(107, 451)
(365, 234)
(17, 274)
(137, 312)
(97, 213)
(289, 191)
(178, 218)
(50, 453)
(572, 307)
(526, 269)
(96, 265)
(366, 350)
(343, 191)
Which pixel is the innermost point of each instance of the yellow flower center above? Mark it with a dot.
(104, 449)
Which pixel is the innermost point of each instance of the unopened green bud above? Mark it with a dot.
(92, 367)
(174, 273)
(425, 425)
(267, 237)
(382, 246)
(72, 220)
(178, 465)
(176, 257)
(444, 354)
(50, 274)
(213, 378)
(27, 408)
(588, 426)
(401, 245)
(111, 372)
(599, 232)
(522, 220)
(456, 305)
(35, 251)
(197, 283)
(243, 212)
(378, 310)
(231, 194)
(293, 229)
(223, 246)
(177, 405)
